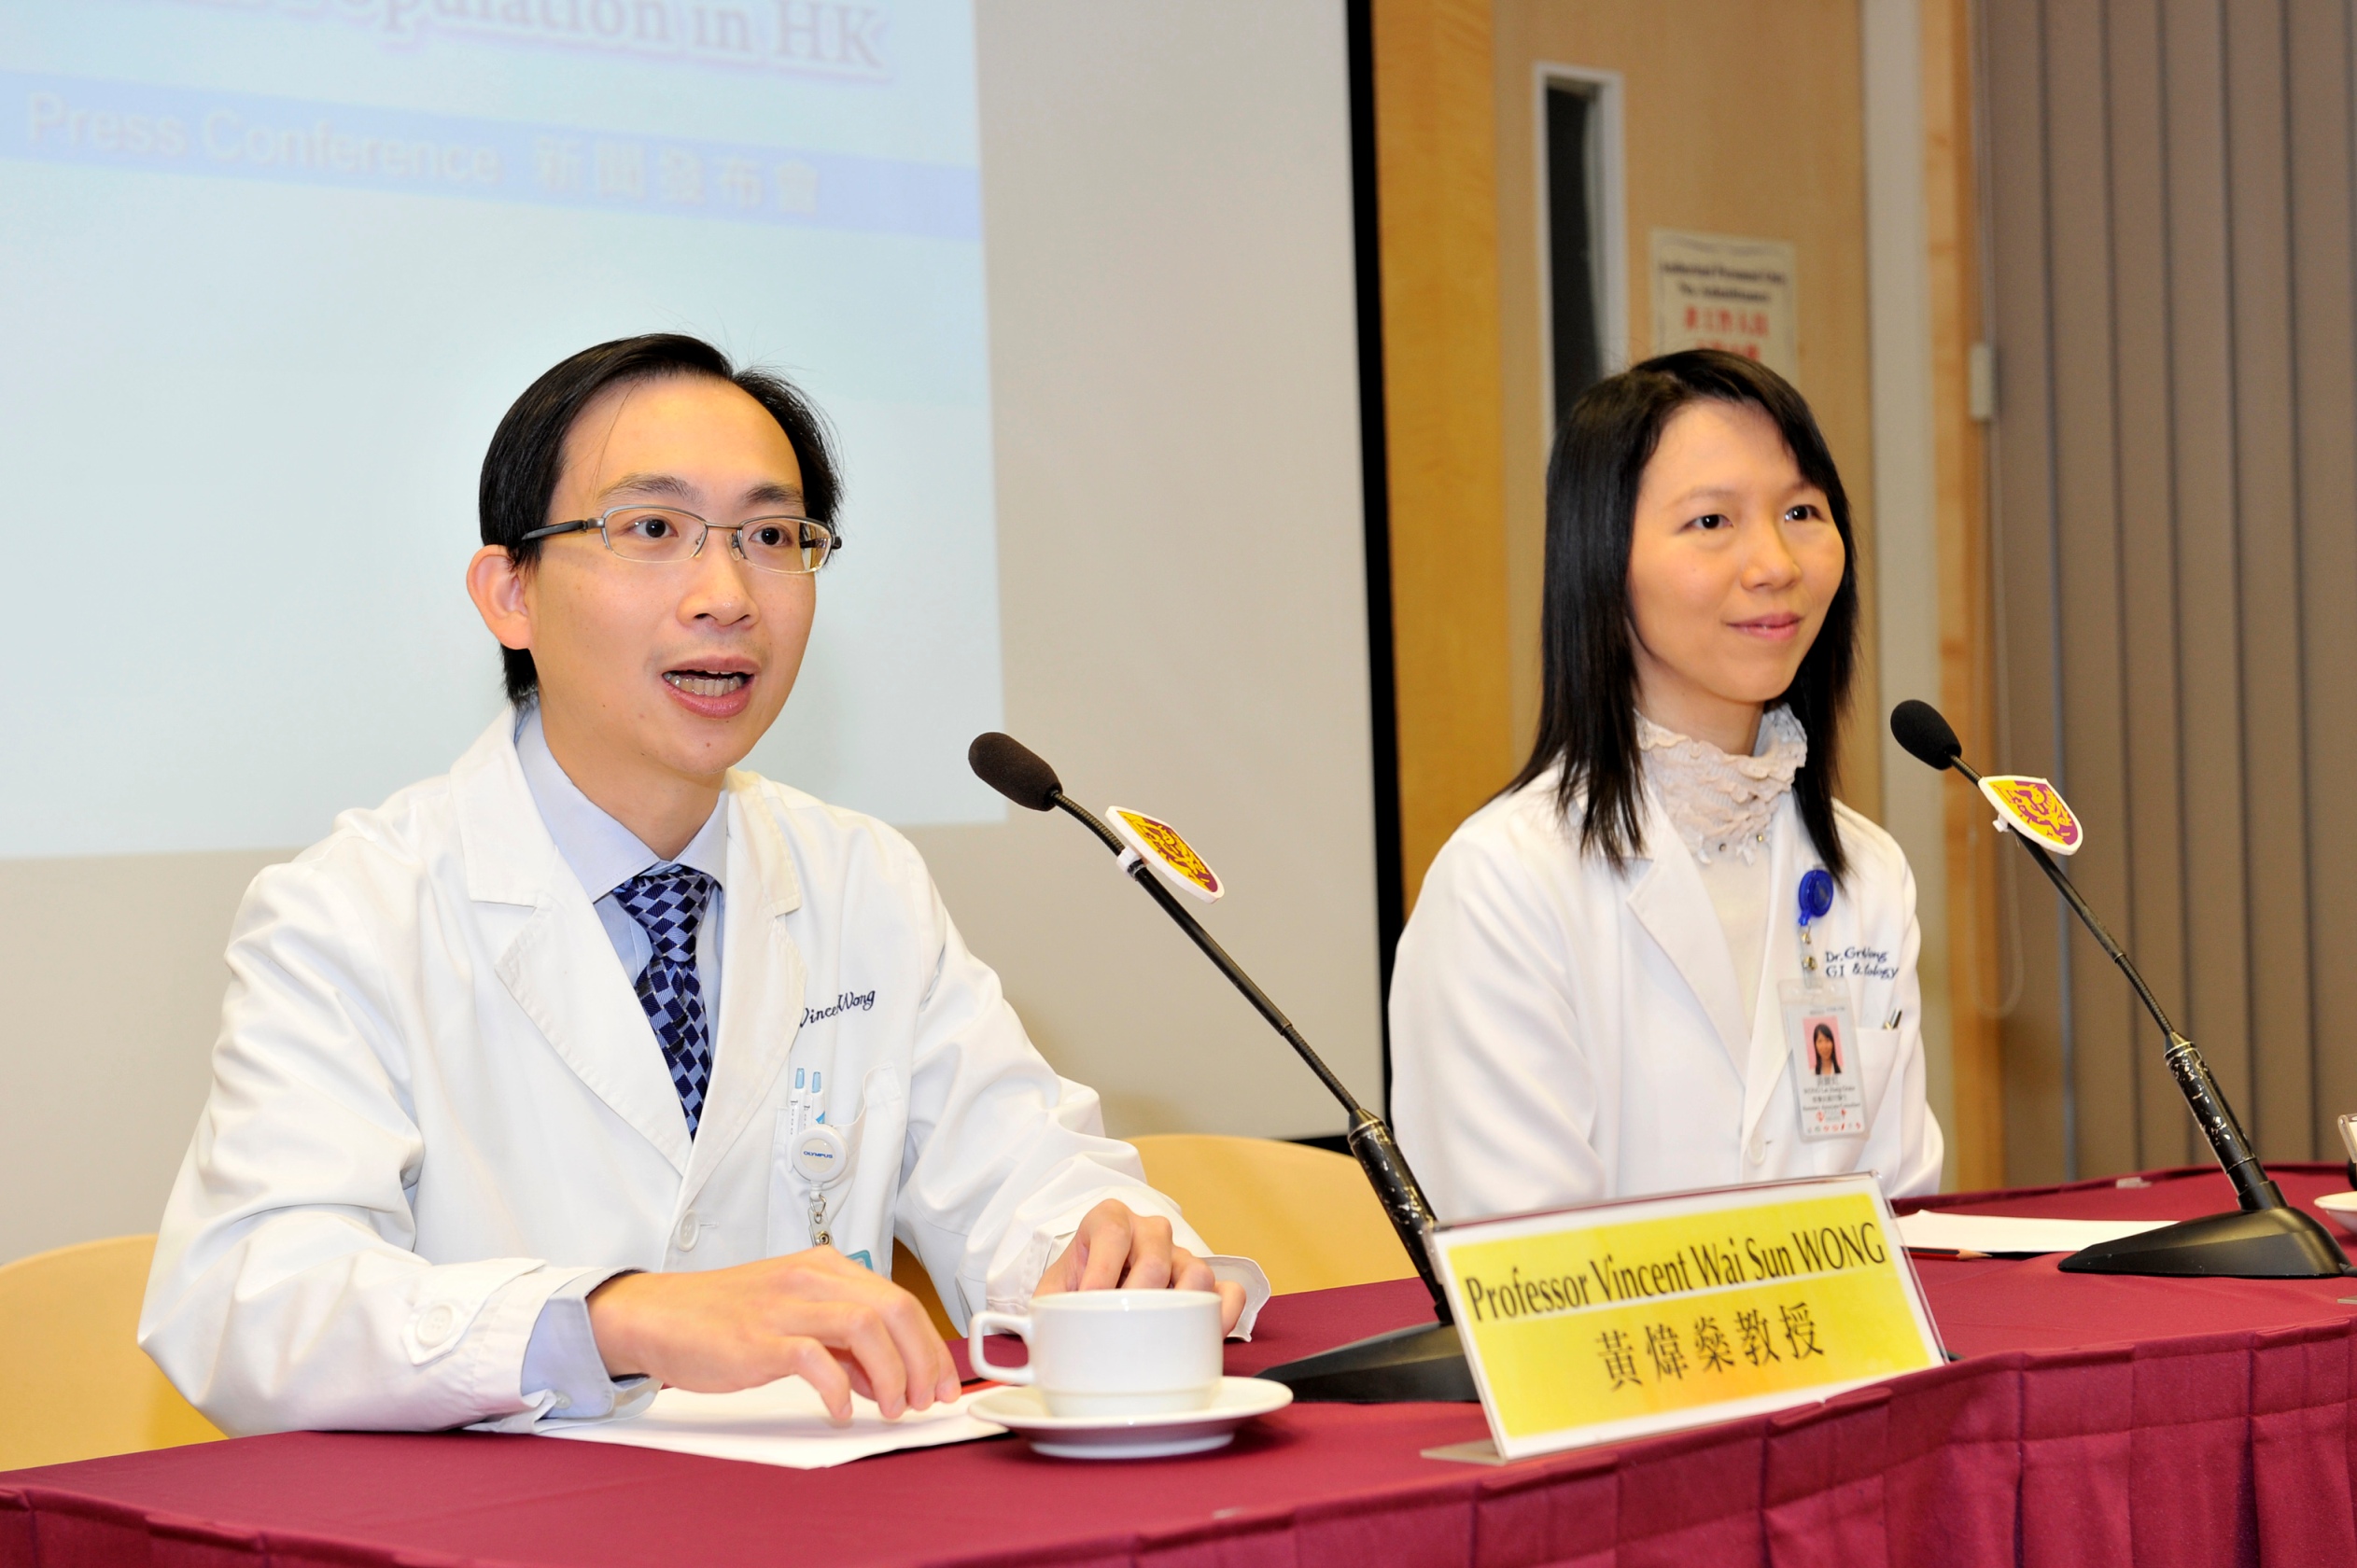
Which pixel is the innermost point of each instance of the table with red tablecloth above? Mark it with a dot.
(2092, 1419)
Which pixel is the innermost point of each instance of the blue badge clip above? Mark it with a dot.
(1816, 896)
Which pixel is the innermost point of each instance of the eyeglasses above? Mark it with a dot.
(661, 535)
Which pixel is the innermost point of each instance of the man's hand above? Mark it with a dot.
(815, 1315)
(1116, 1246)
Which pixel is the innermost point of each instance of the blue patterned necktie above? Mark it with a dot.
(669, 906)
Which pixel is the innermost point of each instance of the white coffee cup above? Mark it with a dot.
(1116, 1352)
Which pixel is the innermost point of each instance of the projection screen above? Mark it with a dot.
(1072, 282)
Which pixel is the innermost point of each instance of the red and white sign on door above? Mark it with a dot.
(1718, 291)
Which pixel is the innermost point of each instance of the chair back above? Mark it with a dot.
(1306, 1215)
(910, 1276)
(80, 1386)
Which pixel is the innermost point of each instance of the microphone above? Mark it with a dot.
(1413, 1364)
(2267, 1237)
(1014, 770)
(1925, 735)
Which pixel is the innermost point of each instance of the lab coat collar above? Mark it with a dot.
(760, 857)
(560, 967)
(509, 854)
(761, 1006)
(1670, 902)
(602, 853)
(513, 858)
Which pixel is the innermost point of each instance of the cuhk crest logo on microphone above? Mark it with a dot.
(1158, 844)
(2036, 810)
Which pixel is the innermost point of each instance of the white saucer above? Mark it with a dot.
(1161, 1436)
(2342, 1206)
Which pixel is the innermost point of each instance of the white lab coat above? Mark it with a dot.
(1564, 1034)
(436, 1100)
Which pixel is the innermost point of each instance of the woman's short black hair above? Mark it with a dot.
(1587, 724)
(526, 457)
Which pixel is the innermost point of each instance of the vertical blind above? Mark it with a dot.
(2173, 300)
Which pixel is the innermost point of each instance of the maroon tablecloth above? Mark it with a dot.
(2095, 1420)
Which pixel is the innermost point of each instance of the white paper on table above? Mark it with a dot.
(782, 1423)
(1939, 1230)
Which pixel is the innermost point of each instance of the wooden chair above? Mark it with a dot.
(82, 1388)
(1305, 1215)
(79, 1386)
(910, 1276)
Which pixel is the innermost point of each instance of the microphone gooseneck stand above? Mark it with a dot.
(1423, 1362)
(2265, 1238)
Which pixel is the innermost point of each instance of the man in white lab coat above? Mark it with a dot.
(596, 1065)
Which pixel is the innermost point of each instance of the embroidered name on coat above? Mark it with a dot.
(848, 1001)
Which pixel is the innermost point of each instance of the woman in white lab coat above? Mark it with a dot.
(1608, 987)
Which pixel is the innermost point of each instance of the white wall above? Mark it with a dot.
(1175, 383)
(1907, 566)
(115, 966)
(1167, 209)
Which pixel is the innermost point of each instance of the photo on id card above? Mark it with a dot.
(1823, 1042)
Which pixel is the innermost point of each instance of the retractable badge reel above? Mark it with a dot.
(821, 1159)
(1820, 1030)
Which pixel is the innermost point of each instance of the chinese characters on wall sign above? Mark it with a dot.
(1718, 291)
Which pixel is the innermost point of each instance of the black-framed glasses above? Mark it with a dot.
(659, 535)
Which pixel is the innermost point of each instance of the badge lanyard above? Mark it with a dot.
(1820, 1032)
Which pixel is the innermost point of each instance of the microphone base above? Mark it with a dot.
(2265, 1244)
(1424, 1363)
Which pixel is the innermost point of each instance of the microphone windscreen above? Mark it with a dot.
(1925, 735)
(1014, 770)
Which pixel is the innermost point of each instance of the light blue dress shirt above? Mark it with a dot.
(562, 1356)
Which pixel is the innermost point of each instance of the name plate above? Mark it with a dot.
(1609, 1322)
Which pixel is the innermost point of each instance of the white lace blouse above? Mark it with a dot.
(1721, 805)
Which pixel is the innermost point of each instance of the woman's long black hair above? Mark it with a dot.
(1588, 711)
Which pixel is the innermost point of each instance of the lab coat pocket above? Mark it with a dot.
(862, 1214)
(857, 1201)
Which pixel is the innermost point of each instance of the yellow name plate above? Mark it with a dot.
(1595, 1325)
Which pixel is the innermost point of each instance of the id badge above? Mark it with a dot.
(1823, 1039)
